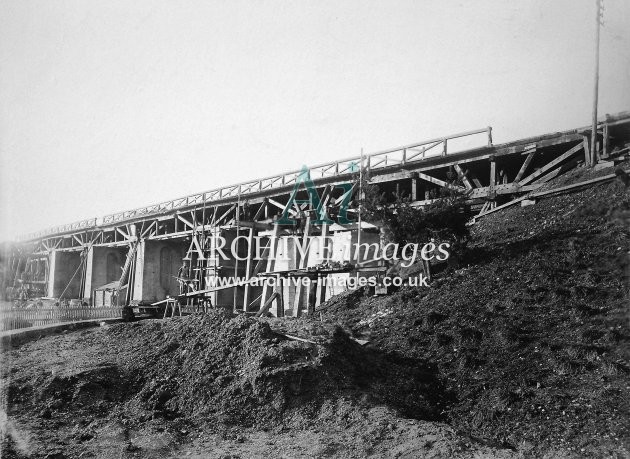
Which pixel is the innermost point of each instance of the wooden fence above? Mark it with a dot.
(11, 319)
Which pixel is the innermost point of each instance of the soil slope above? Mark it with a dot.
(530, 336)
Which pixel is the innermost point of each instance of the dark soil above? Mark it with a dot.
(212, 383)
(531, 338)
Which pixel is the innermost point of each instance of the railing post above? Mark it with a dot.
(404, 158)
(444, 147)
(489, 136)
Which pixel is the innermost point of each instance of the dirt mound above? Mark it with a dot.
(532, 337)
(237, 371)
(214, 384)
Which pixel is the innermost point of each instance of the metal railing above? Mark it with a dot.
(402, 155)
(11, 319)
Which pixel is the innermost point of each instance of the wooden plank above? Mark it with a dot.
(303, 263)
(218, 221)
(125, 235)
(248, 268)
(320, 292)
(281, 206)
(557, 171)
(576, 185)
(552, 164)
(430, 179)
(525, 165)
(280, 298)
(463, 177)
(587, 153)
(414, 189)
(146, 231)
(503, 206)
(271, 259)
(552, 191)
(265, 307)
(436, 181)
(186, 221)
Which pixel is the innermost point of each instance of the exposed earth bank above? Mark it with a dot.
(521, 351)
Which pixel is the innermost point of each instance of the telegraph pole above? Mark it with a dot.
(598, 17)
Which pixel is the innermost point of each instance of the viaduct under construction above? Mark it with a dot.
(135, 257)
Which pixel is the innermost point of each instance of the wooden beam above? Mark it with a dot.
(125, 235)
(248, 267)
(438, 182)
(587, 153)
(503, 206)
(576, 185)
(605, 141)
(186, 221)
(265, 307)
(557, 171)
(146, 231)
(320, 293)
(271, 259)
(227, 212)
(280, 206)
(552, 164)
(302, 265)
(463, 177)
(525, 165)
(430, 179)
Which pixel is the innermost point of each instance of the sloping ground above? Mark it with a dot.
(525, 348)
(216, 386)
(531, 338)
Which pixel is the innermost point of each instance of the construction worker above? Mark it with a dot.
(182, 275)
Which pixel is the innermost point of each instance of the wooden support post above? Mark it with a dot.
(555, 172)
(587, 154)
(414, 188)
(525, 165)
(504, 177)
(605, 142)
(279, 297)
(265, 307)
(493, 174)
(297, 303)
(552, 164)
(321, 281)
(434, 180)
(270, 260)
(463, 177)
(248, 267)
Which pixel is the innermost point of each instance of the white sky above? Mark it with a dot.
(111, 105)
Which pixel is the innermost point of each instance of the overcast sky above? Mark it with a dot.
(109, 105)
